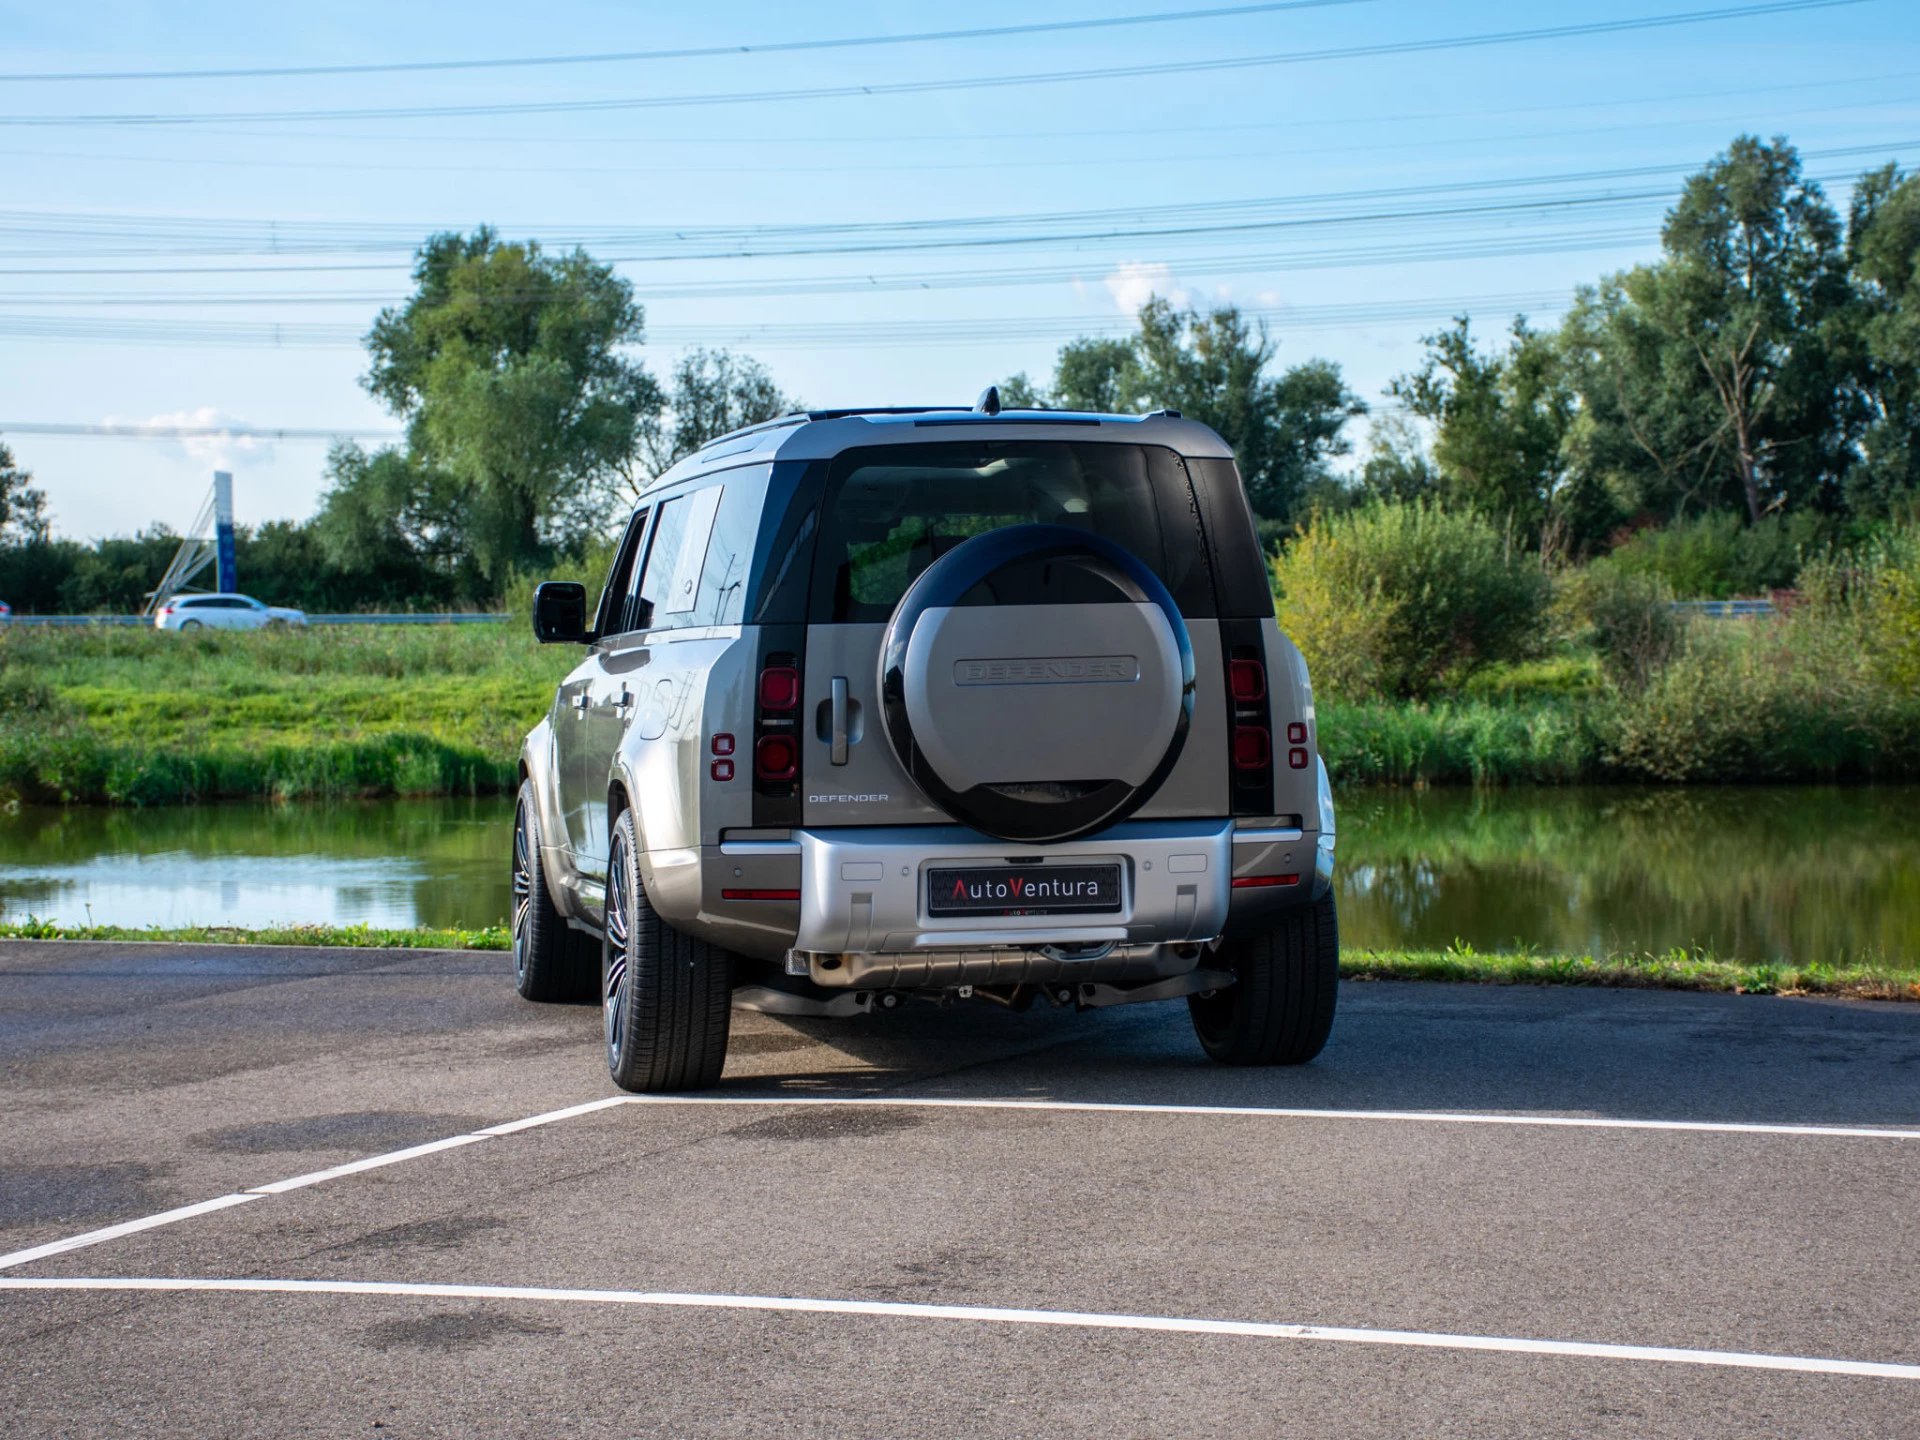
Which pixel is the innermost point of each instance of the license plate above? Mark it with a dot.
(1024, 890)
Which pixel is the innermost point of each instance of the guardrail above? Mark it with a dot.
(1727, 609)
(451, 618)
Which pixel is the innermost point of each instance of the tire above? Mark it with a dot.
(189, 624)
(1280, 1009)
(667, 997)
(551, 960)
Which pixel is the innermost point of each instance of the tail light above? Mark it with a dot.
(772, 753)
(776, 732)
(1252, 750)
(1251, 735)
(776, 758)
(1263, 882)
(780, 689)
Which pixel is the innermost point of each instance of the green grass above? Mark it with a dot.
(125, 716)
(136, 717)
(362, 937)
(1696, 970)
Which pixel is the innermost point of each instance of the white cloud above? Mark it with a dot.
(219, 448)
(1134, 282)
(1268, 298)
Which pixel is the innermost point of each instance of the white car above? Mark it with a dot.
(223, 612)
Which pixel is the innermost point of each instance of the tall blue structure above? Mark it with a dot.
(226, 571)
(208, 542)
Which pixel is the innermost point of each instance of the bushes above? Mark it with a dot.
(1796, 697)
(1719, 556)
(1627, 617)
(1396, 598)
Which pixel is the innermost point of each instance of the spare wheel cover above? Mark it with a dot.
(1037, 723)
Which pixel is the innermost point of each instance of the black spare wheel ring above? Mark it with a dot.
(1046, 719)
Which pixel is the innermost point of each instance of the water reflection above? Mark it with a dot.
(407, 862)
(1790, 873)
(1796, 873)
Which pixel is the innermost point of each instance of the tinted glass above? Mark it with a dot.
(675, 558)
(889, 513)
(729, 559)
(611, 609)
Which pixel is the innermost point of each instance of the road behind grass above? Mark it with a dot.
(144, 1078)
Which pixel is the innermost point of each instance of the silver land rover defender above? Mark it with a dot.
(885, 705)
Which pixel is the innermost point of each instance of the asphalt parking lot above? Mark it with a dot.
(1109, 1237)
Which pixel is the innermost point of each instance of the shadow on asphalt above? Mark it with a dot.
(1627, 1054)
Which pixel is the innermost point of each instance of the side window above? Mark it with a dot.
(611, 617)
(671, 583)
(736, 533)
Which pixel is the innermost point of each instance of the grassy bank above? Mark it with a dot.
(134, 717)
(138, 717)
(1696, 970)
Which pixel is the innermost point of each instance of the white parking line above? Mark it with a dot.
(1434, 1117)
(996, 1315)
(372, 1162)
(300, 1182)
(549, 1117)
(129, 1227)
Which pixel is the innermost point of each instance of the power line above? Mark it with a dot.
(998, 165)
(998, 330)
(904, 137)
(920, 87)
(1218, 220)
(191, 432)
(702, 52)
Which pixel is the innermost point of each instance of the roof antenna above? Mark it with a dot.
(989, 401)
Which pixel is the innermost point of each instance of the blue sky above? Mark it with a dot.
(1353, 276)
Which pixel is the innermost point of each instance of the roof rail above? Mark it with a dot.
(795, 417)
(881, 410)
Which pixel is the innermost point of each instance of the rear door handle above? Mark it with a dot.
(838, 751)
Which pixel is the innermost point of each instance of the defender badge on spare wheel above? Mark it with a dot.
(933, 703)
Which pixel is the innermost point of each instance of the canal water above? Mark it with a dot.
(1795, 873)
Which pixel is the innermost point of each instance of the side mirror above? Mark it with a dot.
(560, 613)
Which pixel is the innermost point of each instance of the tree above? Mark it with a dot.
(1501, 420)
(1099, 376)
(712, 392)
(23, 509)
(1883, 249)
(1397, 468)
(1725, 362)
(510, 368)
(1285, 428)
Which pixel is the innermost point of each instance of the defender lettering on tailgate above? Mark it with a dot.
(1040, 670)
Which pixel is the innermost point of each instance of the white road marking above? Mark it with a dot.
(515, 1126)
(1438, 1117)
(997, 1315)
(129, 1227)
(549, 1117)
(372, 1162)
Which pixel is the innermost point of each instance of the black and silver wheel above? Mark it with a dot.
(550, 960)
(1279, 1010)
(189, 624)
(667, 997)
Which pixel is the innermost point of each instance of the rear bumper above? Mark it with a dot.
(859, 893)
(863, 891)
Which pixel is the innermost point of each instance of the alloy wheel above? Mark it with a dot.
(522, 892)
(614, 979)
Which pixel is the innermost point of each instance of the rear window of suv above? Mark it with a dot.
(888, 513)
